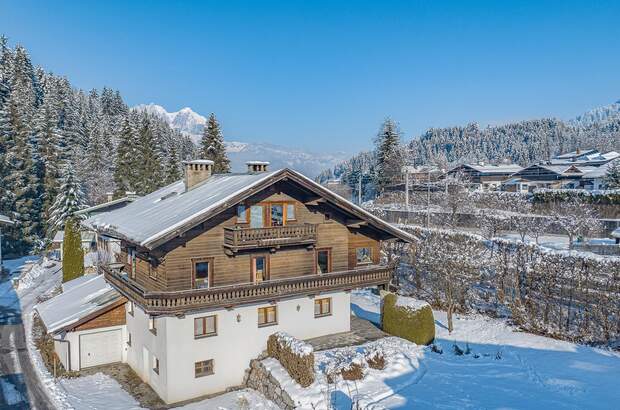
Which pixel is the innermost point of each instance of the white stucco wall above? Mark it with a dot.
(236, 343)
(73, 338)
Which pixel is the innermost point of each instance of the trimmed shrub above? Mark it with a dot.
(408, 318)
(354, 371)
(296, 357)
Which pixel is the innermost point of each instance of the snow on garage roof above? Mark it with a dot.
(79, 301)
(155, 218)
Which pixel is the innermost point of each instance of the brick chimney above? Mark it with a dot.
(197, 171)
(255, 167)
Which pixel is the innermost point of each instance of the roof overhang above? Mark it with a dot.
(282, 175)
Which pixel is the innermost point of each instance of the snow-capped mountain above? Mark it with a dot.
(184, 120)
(599, 115)
(192, 124)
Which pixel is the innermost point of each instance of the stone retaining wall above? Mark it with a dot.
(259, 378)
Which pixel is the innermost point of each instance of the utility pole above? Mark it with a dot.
(359, 190)
(428, 199)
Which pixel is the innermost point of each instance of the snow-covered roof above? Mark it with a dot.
(152, 219)
(87, 236)
(596, 172)
(6, 220)
(119, 201)
(492, 169)
(616, 233)
(79, 300)
(574, 154)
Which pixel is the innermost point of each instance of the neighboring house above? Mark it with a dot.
(87, 322)
(214, 264)
(553, 176)
(594, 179)
(337, 187)
(588, 157)
(89, 243)
(485, 176)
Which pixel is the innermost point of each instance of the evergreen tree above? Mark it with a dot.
(612, 176)
(212, 146)
(72, 253)
(124, 165)
(149, 175)
(173, 171)
(69, 200)
(388, 155)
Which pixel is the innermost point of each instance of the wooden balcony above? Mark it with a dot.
(181, 302)
(238, 238)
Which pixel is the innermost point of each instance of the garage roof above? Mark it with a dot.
(82, 299)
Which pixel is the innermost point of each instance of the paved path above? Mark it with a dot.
(362, 331)
(20, 387)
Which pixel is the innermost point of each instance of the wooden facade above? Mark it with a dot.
(301, 236)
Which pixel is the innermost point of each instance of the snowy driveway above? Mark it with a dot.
(20, 387)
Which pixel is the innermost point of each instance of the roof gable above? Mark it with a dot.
(157, 218)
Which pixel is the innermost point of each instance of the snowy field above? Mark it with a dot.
(505, 369)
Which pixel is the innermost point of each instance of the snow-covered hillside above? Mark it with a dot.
(599, 115)
(192, 124)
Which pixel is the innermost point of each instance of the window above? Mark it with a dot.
(259, 269)
(267, 316)
(290, 212)
(128, 339)
(204, 368)
(277, 215)
(152, 326)
(364, 256)
(242, 214)
(202, 271)
(323, 260)
(155, 364)
(322, 307)
(130, 307)
(256, 217)
(205, 326)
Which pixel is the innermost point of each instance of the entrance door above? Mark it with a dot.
(202, 273)
(259, 269)
(256, 217)
(277, 214)
(323, 260)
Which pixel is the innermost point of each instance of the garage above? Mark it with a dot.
(100, 348)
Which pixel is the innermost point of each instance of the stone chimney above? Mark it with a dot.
(255, 167)
(197, 171)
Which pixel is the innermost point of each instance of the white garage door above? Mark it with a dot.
(100, 348)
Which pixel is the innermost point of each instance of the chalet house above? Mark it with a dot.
(588, 157)
(485, 176)
(214, 264)
(553, 176)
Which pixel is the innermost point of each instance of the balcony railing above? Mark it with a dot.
(238, 238)
(181, 302)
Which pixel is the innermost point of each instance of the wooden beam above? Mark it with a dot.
(315, 202)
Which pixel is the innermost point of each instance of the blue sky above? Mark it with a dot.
(323, 75)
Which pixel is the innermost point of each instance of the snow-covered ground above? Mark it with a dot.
(505, 368)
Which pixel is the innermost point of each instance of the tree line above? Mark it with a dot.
(62, 148)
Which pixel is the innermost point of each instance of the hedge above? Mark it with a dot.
(415, 324)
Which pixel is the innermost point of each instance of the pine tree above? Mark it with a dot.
(612, 176)
(172, 171)
(388, 154)
(124, 165)
(72, 253)
(212, 146)
(149, 177)
(69, 200)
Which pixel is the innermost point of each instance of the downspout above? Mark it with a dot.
(68, 351)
